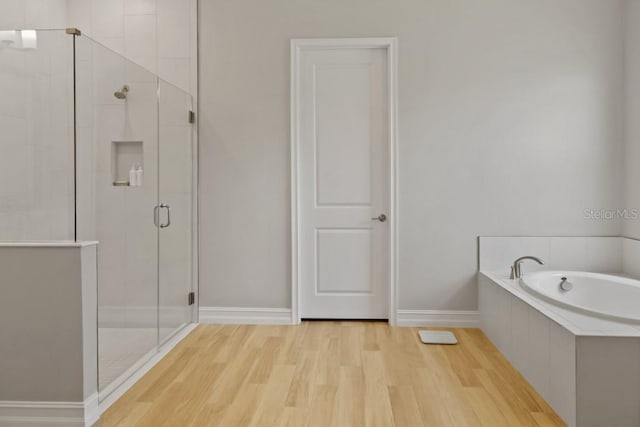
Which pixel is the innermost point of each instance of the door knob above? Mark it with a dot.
(381, 218)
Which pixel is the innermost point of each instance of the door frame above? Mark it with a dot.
(297, 46)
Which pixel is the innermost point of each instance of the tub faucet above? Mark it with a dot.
(516, 268)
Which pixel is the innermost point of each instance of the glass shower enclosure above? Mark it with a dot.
(94, 147)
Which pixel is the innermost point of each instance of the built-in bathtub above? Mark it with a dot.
(577, 344)
(585, 363)
(602, 295)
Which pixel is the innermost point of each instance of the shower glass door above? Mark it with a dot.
(134, 179)
(117, 132)
(176, 213)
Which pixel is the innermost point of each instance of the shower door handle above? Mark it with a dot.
(164, 205)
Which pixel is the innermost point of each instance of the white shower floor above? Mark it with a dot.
(121, 349)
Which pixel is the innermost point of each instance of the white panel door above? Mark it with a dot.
(343, 151)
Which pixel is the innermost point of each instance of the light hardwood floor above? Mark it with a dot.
(330, 374)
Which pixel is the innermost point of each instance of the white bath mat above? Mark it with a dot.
(437, 337)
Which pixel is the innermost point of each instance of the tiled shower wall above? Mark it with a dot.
(159, 35)
(36, 194)
(33, 14)
(36, 134)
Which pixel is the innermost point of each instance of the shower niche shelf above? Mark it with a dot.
(125, 154)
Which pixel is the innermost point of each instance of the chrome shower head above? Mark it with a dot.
(122, 93)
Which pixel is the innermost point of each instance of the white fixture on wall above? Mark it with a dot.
(29, 39)
(23, 39)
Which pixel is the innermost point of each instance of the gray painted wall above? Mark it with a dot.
(632, 111)
(509, 123)
(48, 331)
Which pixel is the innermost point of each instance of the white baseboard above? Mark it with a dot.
(247, 316)
(92, 409)
(140, 370)
(444, 318)
(282, 316)
(38, 414)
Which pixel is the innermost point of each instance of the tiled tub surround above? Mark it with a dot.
(595, 254)
(587, 368)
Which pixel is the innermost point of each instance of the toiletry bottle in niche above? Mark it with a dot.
(139, 176)
(133, 176)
